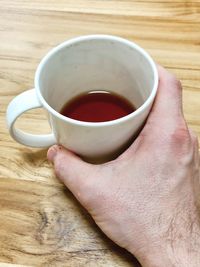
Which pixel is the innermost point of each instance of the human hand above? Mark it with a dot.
(145, 200)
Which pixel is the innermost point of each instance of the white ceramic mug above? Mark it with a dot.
(94, 62)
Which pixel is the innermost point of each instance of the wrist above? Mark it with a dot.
(176, 245)
(181, 251)
(167, 256)
(157, 256)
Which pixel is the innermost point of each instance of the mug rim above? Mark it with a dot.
(79, 39)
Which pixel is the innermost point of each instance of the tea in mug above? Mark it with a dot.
(97, 106)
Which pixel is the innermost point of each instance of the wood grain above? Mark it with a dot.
(41, 223)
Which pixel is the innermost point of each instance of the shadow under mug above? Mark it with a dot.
(94, 62)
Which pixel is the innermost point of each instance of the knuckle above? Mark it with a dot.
(176, 83)
(195, 141)
(174, 79)
(180, 135)
(58, 168)
(87, 191)
(193, 137)
(60, 165)
(180, 143)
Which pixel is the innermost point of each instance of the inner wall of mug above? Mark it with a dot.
(96, 64)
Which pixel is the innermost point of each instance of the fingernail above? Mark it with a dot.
(52, 152)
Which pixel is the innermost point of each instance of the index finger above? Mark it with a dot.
(167, 108)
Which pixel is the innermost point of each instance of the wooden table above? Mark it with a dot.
(41, 224)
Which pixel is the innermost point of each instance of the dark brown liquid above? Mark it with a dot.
(97, 106)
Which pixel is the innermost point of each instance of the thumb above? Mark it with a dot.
(71, 170)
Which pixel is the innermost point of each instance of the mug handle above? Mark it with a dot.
(20, 104)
